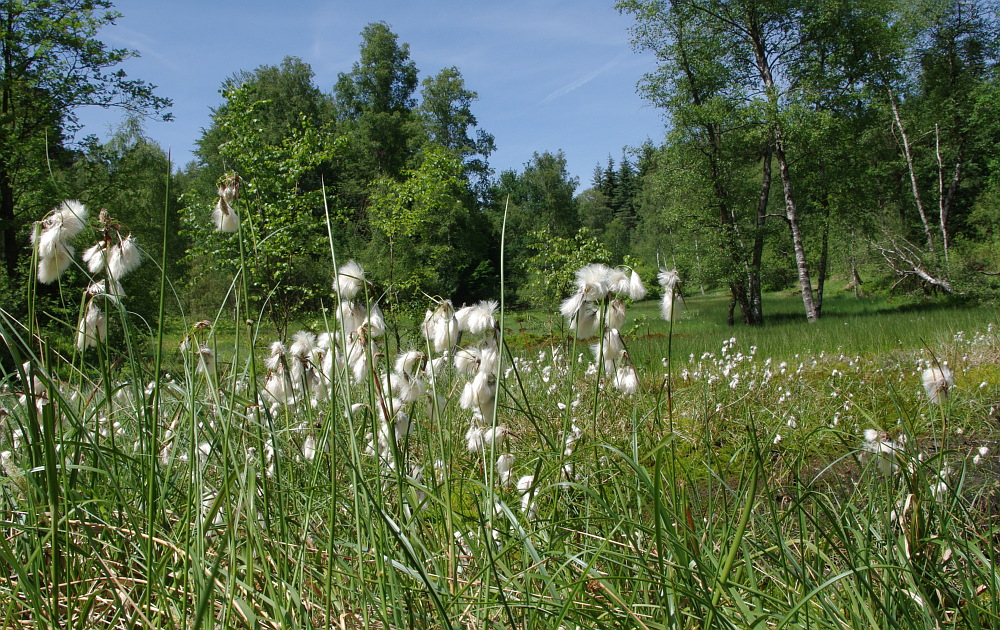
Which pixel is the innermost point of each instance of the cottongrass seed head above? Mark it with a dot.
(52, 241)
(937, 380)
(668, 279)
(349, 281)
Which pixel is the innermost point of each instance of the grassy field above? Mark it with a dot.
(794, 475)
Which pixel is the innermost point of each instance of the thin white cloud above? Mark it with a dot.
(569, 87)
(144, 45)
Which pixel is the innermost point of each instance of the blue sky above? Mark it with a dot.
(550, 75)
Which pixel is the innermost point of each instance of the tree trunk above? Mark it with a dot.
(756, 300)
(914, 186)
(791, 213)
(856, 281)
(697, 265)
(824, 257)
(7, 222)
(945, 199)
(727, 222)
(824, 252)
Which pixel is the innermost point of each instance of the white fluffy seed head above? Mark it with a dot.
(489, 360)
(224, 217)
(572, 305)
(411, 388)
(52, 266)
(325, 341)
(592, 281)
(586, 323)
(48, 240)
(440, 327)
(617, 281)
(444, 334)
(636, 289)
(303, 344)
(93, 327)
(474, 439)
(484, 387)
(349, 281)
(54, 251)
(409, 362)
(123, 258)
(612, 346)
(206, 359)
(937, 380)
(96, 257)
(626, 380)
(351, 314)
(70, 216)
(467, 360)
(504, 463)
(616, 314)
(494, 436)
(229, 187)
(375, 323)
(524, 483)
(667, 306)
(668, 279)
(481, 317)
(309, 448)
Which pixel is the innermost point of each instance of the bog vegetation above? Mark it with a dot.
(337, 372)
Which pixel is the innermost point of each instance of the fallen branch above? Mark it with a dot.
(905, 260)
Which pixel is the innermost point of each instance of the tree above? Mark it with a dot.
(553, 263)
(52, 65)
(931, 107)
(130, 175)
(541, 197)
(281, 208)
(438, 242)
(703, 83)
(446, 112)
(762, 38)
(286, 95)
(375, 102)
(609, 209)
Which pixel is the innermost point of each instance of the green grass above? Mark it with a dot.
(866, 326)
(733, 490)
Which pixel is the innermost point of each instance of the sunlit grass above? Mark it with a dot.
(736, 488)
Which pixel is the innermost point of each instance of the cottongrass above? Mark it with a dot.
(462, 484)
(937, 379)
(51, 239)
(223, 214)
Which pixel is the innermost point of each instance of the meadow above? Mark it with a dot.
(486, 468)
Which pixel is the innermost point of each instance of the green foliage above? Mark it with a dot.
(285, 96)
(402, 208)
(374, 102)
(435, 242)
(130, 176)
(51, 64)
(552, 264)
(382, 81)
(446, 112)
(281, 208)
(832, 101)
(742, 463)
(403, 181)
(541, 197)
